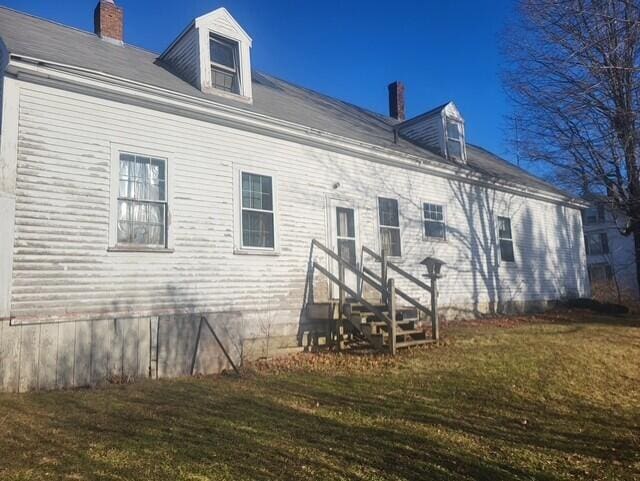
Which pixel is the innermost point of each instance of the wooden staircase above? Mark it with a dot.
(385, 325)
(407, 332)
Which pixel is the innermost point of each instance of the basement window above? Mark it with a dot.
(455, 140)
(505, 237)
(142, 201)
(224, 64)
(389, 227)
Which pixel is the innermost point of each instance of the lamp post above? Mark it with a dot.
(434, 272)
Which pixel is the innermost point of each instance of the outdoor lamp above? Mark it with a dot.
(434, 266)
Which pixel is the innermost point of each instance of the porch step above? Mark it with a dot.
(417, 342)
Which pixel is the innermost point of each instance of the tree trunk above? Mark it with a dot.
(636, 242)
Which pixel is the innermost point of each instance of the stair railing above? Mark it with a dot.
(385, 266)
(387, 290)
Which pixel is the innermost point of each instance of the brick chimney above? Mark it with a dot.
(396, 100)
(108, 21)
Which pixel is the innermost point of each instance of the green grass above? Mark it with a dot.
(557, 399)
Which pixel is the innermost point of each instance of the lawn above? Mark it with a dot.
(554, 398)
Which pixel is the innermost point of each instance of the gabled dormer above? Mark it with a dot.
(214, 55)
(440, 130)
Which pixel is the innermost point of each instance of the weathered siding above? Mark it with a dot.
(62, 269)
(427, 132)
(184, 58)
(621, 255)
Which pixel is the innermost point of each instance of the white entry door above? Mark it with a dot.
(343, 223)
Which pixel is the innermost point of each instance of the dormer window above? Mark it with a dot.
(455, 140)
(224, 64)
(214, 55)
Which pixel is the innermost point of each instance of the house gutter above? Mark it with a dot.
(91, 82)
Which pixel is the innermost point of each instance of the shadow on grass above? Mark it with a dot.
(446, 414)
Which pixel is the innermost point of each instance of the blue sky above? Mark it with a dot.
(441, 50)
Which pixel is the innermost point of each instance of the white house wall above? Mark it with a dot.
(67, 288)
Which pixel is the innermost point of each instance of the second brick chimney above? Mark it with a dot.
(108, 21)
(396, 100)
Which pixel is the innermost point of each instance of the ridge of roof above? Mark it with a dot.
(50, 41)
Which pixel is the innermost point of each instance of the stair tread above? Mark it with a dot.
(401, 332)
(414, 342)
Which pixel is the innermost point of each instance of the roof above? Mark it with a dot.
(29, 36)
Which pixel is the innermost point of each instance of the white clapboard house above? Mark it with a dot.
(611, 260)
(140, 192)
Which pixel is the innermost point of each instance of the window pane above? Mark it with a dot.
(434, 229)
(433, 212)
(453, 130)
(454, 149)
(124, 232)
(506, 251)
(390, 240)
(504, 228)
(257, 229)
(224, 80)
(346, 223)
(347, 250)
(257, 192)
(388, 212)
(223, 53)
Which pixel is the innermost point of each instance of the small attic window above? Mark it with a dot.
(455, 140)
(224, 64)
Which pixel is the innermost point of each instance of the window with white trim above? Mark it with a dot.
(593, 215)
(597, 244)
(224, 64)
(505, 237)
(600, 273)
(433, 220)
(389, 218)
(142, 201)
(257, 216)
(455, 140)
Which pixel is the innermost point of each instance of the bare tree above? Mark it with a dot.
(573, 74)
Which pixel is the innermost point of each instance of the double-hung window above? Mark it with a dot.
(597, 244)
(594, 215)
(142, 201)
(257, 217)
(389, 227)
(505, 237)
(433, 219)
(224, 64)
(600, 273)
(455, 140)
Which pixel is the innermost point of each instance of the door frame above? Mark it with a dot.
(333, 202)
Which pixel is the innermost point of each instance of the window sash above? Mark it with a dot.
(600, 273)
(257, 207)
(389, 219)
(594, 215)
(141, 201)
(434, 224)
(505, 239)
(597, 244)
(224, 77)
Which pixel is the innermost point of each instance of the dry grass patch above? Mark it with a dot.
(547, 398)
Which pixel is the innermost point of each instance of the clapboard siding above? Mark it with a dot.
(427, 132)
(62, 217)
(184, 58)
(83, 314)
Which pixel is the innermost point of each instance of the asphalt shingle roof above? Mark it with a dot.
(29, 36)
